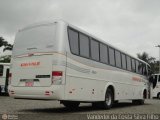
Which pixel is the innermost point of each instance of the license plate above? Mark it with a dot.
(29, 83)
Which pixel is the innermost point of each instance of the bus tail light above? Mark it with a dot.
(10, 77)
(57, 77)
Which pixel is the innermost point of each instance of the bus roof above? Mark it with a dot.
(156, 74)
(5, 64)
(80, 30)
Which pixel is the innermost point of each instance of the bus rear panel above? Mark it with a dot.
(38, 63)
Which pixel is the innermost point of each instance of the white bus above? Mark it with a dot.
(4, 75)
(58, 61)
(156, 90)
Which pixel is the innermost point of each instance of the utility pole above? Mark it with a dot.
(159, 56)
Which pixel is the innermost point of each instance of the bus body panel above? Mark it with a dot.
(55, 92)
(88, 81)
(83, 79)
(43, 83)
(33, 69)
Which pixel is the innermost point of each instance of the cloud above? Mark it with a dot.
(130, 25)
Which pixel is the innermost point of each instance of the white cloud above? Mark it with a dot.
(131, 25)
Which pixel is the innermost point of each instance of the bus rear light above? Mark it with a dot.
(47, 93)
(57, 73)
(57, 77)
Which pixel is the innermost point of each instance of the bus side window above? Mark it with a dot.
(84, 45)
(128, 63)
(137, 65)
(103, 53)
(140, 68)
(73, 40)
(159, 78)
(111, 56)
(124, 63)
(133, 65)
(1, 70)
(118, 59)
(144, 70)
(94, 50)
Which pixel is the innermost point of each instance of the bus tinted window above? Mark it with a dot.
(159, 78)
(94, 50)
(1, 70)
(124, 61)
(73, 39)
(88, 47)
(118, 58)
(84, 45)
(133, 65)
(155, 77)
(103, 53)
(111, 56)
(144, 70)
(137, 66)
(128, 63)
(140, 68)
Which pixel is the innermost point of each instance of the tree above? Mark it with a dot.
(5, 59)
(150, 60)
(145, 57)
(6, 45)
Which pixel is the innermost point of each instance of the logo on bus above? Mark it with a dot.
(136, 79)
(29, 64)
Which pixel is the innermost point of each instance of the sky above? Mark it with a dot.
(130, 25)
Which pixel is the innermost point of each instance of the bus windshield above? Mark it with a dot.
(35, 39)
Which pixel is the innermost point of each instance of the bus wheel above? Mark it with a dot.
(107, 104)
(71, 104)
(158, 95)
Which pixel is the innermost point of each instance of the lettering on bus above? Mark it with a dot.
(30, 64)
(136, 79)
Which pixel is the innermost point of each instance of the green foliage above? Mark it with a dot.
(150, 60)
(6, 45)
(5, 59)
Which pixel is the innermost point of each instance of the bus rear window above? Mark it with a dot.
(1, 70)
(36, 39)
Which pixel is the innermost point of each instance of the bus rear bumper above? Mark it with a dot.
(55, 92)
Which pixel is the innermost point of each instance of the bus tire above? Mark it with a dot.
(109, 98)
(158, 95)
(71, 104)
